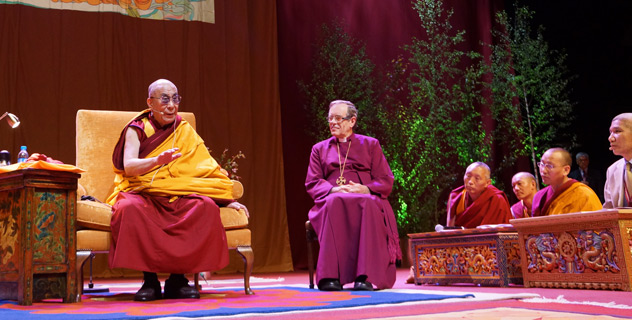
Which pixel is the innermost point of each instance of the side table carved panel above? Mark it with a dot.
(585, 250)
(37, 232)
(480, 256)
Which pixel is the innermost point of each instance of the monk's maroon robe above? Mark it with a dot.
(491, 207)
(357, 232)
(519, 210)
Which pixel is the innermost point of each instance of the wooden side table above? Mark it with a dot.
(37, 233)
(481, 256)
(582, 250)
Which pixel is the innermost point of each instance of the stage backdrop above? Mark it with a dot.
(384, 26)
(54, 62)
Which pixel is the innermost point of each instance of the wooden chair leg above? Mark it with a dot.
(248, 256)
(196, 281)
(249, 259)
(82, 257)
(310, 236)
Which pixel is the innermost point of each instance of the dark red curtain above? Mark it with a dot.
(54, 62)
(384, 26)
(243, 91)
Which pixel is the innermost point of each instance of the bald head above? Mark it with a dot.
(555, 167)
(522, 175)
(476, 179)
(523, 184)
(160, 91)
(621, 136)
(482, 165)
(625, 119)
(158, 84)
(563, 155)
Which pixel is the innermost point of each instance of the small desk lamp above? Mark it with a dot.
(12, 119)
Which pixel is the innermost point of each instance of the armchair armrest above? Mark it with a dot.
(238, 189)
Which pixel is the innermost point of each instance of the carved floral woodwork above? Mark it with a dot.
(586, 250)
(481, 256)
(37, 233)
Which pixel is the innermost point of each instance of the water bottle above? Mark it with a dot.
(22, 155)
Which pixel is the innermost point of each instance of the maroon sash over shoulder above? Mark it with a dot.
(147, 143)
(491, 207)
(572, 196)
(543, 199)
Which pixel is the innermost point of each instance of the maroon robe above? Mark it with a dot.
(519, 210)
(159, 234)
(357, 232)
(491, 207)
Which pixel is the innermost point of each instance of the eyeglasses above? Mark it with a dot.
(337, 118)
(547, 166)
(165, 99)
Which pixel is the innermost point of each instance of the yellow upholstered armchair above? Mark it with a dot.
(97, 134)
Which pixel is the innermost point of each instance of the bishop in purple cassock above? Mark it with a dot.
(349, 179)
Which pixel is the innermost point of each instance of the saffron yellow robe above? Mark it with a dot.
(196, 172)
(575, 198)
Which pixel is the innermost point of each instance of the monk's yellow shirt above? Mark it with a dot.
(195, 172)
(578, 197)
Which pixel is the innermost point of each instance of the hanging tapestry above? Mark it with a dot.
(189, 10)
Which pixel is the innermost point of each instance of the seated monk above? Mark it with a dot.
(523, 184)
(563, 194)
(477, 202)
(165, 214)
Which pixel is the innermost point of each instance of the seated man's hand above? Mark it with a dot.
(358, 188)
(352, 187)
(168, 156)
(238, 206)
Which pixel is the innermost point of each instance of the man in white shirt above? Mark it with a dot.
(618, 188)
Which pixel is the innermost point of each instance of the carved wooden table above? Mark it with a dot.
(585, 250)
(480, 256)
(37, 231)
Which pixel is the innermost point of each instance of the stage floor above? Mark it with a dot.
(280, 290)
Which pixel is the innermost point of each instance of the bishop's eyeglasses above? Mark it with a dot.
(337, 118)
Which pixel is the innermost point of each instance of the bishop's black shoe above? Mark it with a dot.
(361, 284)
(328, 284)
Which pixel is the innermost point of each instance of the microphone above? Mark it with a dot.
(439, 228)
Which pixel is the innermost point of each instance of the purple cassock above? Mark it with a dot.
(357, 233)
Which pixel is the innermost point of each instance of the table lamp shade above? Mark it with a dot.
(12, 119)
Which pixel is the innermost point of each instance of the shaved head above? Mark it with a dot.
(488, 172)
(522, 175)
(565, 156)
(625, 119)
(159, 83)
(621, 136)
(555, 167)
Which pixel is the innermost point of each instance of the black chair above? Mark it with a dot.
(310, 235)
